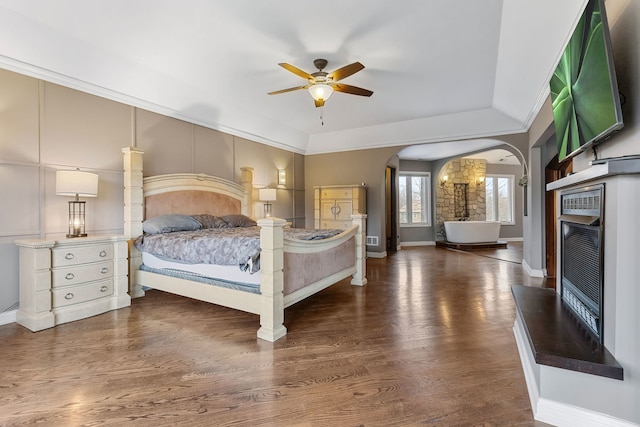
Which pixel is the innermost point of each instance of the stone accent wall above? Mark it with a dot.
(460, 171)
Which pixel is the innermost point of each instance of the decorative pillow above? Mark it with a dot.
(169, 223)
(210, 221)
(238, 221)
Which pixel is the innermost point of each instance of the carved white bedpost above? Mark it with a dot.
(359, 277)
(246, 179)
(133, 212)
(272, 279)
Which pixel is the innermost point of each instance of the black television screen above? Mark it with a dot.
(584, 90)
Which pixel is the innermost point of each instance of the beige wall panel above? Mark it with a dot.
(298, 172)
(56, 208)
(19, 114)
(265, 161)
(20, 200)
(9, 287)
(253, 154)
(108, 209)
(298, 206)
(283, 206)
(279, 159)
(213, 153)
(167, 143)
(83, 130)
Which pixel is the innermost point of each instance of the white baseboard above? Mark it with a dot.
(531, 272)
(420, 243)
(522, 344)
(8, 317)
(376, 254)
(563, 415)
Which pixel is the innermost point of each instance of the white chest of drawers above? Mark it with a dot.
(334, 205)
(62, 280)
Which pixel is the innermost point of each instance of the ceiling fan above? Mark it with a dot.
(322, 84)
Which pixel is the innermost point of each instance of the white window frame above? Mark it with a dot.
(426, 176)
(512, 195)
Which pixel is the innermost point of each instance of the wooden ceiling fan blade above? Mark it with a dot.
(295, 70)
(345, 71)
(319, 102)
(291, 89)
(353, 90)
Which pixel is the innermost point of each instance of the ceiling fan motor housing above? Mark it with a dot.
(320, 64)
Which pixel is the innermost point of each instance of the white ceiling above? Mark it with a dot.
(497, 157)
(479, 149)
(440, 70)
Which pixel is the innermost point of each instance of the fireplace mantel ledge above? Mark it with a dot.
(556, 337)
(627, 165)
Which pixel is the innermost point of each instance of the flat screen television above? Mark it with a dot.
(584, 89)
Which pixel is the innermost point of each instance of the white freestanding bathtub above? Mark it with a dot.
(472, 231)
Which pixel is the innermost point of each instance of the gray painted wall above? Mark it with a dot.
(618, 399)
(354, 167)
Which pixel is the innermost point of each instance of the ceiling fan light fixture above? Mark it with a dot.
(320, 91)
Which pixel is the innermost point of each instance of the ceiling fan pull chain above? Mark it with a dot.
(322, 116)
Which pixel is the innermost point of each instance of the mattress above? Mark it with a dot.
(231, 273)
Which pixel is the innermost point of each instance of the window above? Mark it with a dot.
(414, 195)
(500, 198)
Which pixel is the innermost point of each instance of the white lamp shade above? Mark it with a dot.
(267, 194)
(320, 91)
(70, 183)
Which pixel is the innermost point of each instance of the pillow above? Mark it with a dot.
(238, 221)
(210, 221)
(169, 223)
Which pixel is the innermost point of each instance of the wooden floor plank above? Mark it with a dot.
(428, 341)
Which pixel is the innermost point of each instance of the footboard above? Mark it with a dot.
(292, 270)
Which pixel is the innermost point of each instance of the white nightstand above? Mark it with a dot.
(62, 280)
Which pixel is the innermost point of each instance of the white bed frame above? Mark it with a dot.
(271, 301)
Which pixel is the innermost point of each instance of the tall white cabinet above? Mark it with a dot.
(62, 280)
(334, 205)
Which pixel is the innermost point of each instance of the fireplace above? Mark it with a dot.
(582, 256)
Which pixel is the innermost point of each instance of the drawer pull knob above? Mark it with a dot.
(104, 270)
(68, 256)
(103, 289)
(103, 253)
(69, 276)
(68, 296)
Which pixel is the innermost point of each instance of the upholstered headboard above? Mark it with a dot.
(193, 194)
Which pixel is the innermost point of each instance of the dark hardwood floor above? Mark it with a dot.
(428, 341)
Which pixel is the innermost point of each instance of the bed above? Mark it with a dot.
(290, 269)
